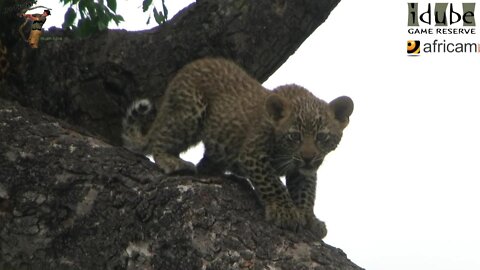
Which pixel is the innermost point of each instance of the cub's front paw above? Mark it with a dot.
(316, 226)
(284, 217)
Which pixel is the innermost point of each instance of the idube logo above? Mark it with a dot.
(443, 15)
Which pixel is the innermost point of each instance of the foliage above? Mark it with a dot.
(95, 15)
(160, 17)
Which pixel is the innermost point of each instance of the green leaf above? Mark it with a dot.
(148, 21)
(90, 5)
(102, 12)
(70, 16)
(146, 4)
(165, 10)
(102, 25)
(112, 4)
(86, 27)
(159, 18)
(117, 19)
(82, 8)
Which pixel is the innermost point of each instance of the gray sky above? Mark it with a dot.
(402, 190)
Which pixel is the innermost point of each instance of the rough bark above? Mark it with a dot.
(89, 82)
(71, 201)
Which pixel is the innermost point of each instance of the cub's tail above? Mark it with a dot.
(136, 124)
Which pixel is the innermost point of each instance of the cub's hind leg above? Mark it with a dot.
(177, 126)
(210, 164)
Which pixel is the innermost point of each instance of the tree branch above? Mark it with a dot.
(90, 82)
(70, 201)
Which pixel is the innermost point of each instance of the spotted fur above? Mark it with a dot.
(247, 130)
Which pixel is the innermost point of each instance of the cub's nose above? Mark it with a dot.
(311, 162)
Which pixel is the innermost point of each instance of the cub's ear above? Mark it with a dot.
(342, 107)
(277, 107)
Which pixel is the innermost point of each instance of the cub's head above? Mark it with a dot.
(306, 128)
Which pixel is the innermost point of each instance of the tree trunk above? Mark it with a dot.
(71, 201)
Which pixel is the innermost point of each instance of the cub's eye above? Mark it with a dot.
(294, 136)
(322, 137)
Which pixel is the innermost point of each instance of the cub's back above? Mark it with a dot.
(234, 99)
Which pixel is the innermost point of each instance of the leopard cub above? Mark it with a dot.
(247, 130)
